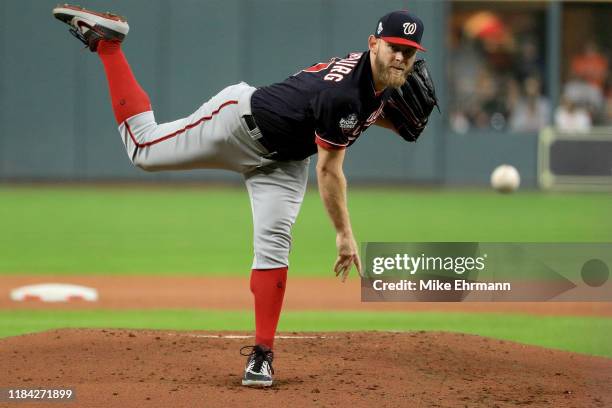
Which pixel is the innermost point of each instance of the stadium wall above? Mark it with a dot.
(56, 122)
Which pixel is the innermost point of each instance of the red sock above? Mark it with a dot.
(268, 288)
(127, 97)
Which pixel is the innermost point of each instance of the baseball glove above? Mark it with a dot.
(410, 105)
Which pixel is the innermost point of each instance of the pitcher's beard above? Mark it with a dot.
(386, 75)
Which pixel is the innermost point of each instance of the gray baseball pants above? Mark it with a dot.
(217, 137)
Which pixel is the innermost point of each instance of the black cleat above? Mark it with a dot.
(258, 371)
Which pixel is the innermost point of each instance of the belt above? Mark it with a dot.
(250, 121)
(252, 125)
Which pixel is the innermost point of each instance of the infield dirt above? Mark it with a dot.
(222, 293)
(131, 368)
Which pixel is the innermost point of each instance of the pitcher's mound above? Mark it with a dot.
(133, 368)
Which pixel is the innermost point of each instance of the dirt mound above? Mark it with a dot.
(133, 368)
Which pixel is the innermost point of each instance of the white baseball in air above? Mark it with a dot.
(505, 178)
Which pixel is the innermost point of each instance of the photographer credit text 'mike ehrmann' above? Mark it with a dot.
(405, 263)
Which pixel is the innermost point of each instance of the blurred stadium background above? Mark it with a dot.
(526, 83)
(504, 70)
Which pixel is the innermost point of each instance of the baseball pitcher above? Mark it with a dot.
(268, 134)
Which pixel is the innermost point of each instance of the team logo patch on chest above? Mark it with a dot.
(349, 122)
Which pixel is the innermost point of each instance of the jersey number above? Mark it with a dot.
(321, 66)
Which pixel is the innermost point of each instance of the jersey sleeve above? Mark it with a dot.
(334, 112)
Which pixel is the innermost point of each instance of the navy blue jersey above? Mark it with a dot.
(328, 104)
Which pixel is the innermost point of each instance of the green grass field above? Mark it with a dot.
(207, 231)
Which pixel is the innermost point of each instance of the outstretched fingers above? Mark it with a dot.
(344, 265)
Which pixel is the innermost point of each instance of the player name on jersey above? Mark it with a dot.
(343, 67)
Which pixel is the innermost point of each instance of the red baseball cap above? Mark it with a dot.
(401, 27)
